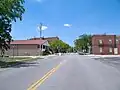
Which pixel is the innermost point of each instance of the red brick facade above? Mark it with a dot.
(49, 39)
(105, 44)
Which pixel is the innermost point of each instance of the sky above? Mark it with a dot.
(68, 19)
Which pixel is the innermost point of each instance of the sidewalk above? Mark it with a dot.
(37, 56)
(3, 69)
(102, 56)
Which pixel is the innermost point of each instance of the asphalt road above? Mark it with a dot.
(112, 61)
(75, 72)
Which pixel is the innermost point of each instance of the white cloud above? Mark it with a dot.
(43, 28)
(67, 25)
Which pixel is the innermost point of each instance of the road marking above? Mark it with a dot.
(35, 85)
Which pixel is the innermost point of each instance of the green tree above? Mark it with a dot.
(83, 42)
(10, 10)
(59, 46)
(71, 49)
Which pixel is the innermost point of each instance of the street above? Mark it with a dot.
(66, 72)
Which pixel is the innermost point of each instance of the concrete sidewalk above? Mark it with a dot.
(102, 56)
(37, 56)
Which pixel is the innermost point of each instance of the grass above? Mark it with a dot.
(11, 62)
(19, 58)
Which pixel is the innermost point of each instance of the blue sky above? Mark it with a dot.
(85, 16)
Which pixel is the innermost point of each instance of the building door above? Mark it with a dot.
(115, 51)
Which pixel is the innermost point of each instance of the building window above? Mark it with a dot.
(117, 41)
(38, 46)
(100, 41)
(110, 50)
(44, 46)
(101, 50)
(110, 41)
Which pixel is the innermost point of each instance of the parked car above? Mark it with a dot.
(81, 53)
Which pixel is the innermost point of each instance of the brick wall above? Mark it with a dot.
(106, 44)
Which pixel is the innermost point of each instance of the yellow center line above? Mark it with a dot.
(35, 85)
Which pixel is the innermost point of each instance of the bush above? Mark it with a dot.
(46, 52)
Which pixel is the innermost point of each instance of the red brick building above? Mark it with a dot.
(27, 47)
(105, 44)
(49, 39)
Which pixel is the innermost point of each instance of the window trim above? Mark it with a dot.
(110, 41)
(100, 41)
(110, 50)
(100, 49)
(117, 41)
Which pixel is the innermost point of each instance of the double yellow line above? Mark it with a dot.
(35, 85)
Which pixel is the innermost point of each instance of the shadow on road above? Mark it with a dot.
(17, 64)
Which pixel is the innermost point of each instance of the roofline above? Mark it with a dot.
(103, 35)
(27, 44)
(44, 37)
(45, 41)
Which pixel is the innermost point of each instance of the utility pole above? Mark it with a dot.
(40, 28)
